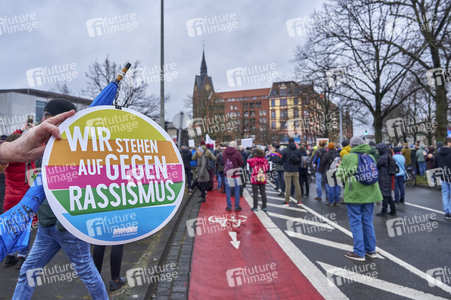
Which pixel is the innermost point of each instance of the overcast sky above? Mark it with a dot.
(69, 35)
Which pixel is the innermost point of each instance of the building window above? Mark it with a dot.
(259, 104)
(283, 113)
(296, 101)
(296, 113)
(273, 125)
(283, 92)
(283, 102)
(273, 114)
(273, 102)
(306, 113)
(245, 105)
(245, 114)
(251, 105)
(40, 105)
(252, 113)
(283, 124)
(306, 100)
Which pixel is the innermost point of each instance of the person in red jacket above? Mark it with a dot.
(259, 166)
(16, 185)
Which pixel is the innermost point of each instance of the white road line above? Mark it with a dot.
(389, 256)
(286, 207)
(425, 208)
(293, 221)
(310, 270)
(396, 289)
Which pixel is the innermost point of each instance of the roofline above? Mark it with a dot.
(46, 94)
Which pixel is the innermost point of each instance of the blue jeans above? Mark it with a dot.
(361, 222)
(446, 196)
(236, 187)
(333, 193)
(422, 167)
(399, 188)
(319, 189)
(47, 243)
(219, 179)
(281, 181)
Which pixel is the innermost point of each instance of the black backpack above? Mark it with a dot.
(393, 168)
(294, 158)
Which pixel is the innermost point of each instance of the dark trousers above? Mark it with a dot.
(255, 189)
(115, 259)
(303, 180)
(189, 177)
(388, 201)
(202, 186)
(223, 179)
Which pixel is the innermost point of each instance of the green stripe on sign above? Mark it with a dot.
(87, 200)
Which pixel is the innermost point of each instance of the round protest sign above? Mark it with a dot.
(114, 177)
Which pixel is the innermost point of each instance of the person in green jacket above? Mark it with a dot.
(359, 200)
(421, 161)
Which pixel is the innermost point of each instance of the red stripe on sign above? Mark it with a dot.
(61, 177)
(258, 269)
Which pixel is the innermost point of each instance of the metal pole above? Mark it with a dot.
(179, 139)
(162, 67)
(341, 125)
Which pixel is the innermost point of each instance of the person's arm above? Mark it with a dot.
(31, 145)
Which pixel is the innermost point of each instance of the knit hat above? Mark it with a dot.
(331, 145)
(345, 143)
(356, 141)
(57, 106)
(397, 149)
(232, 144)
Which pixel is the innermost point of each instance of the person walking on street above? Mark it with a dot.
(233, 162)
(303, 172)
(291, 158)
(443, 161)
(384, 163)
(203, 176)
(359, 199)
(279, 170)
(316, 160)
(420, 160)
(259, 166)
(400, 177)
(220, 170)
(186, 157)
(331, 159)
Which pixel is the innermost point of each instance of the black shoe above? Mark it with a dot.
(448, 216)
(402, 200)
(392, 213)
(228, 209)
(202, 200)
(10, 261)
(353, 256)
(381, 214)
(281, 194)
(20, 261)
(223, 192)
(238, 208)
(117, 284)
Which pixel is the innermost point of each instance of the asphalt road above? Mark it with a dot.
(412, 244)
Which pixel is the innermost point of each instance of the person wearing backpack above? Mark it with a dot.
(291, 157)
(233, 162)
(319, 169)
(443, 161)
(259, 166)
(387, 167)
(210, 164)
(220, 170)
(303, 172)
(331, 159)
(280, 185)
(359, 197)
(400, 177)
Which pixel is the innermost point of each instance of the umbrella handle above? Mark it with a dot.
(122, 74)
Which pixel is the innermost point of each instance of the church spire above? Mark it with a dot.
(203, 65)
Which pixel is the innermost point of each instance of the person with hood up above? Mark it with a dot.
(259, 166)
(443, 161)
(359, 199)
(319, 169)
(385, 180)
(233, 162)
(291, 158)
(203, 176)
(400, 177)
(421, 161)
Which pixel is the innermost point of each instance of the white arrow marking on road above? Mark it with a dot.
(324, 242)
(234, 241)
(300, 220)
(375, 283)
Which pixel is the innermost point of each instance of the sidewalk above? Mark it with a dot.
(235, 257)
